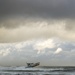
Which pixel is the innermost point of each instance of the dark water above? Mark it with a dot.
(37, 71)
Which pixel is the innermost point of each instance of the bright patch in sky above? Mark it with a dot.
(58, 51)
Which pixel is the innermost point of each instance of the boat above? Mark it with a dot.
(33, 64)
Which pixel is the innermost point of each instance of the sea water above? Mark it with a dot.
(37, 71)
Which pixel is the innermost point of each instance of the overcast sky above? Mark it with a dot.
(51, 8)
(27, 20)
(47, 18)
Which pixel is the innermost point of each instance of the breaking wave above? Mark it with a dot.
(37, 71)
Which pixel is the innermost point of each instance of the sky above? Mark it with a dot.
(32, 30)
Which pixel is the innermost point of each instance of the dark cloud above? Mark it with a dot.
(52, 8)
(36, 18)
(11, 11)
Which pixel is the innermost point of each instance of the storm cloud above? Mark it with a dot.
(14, 12)
(51, 8)
(29, 19)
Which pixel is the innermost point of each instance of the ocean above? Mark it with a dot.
(37, 71)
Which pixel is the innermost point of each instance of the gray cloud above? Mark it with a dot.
(51, 8)
(28, 19)
(31, 29)
(12, 11)
(15, 13)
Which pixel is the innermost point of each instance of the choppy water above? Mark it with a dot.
(37, 71)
